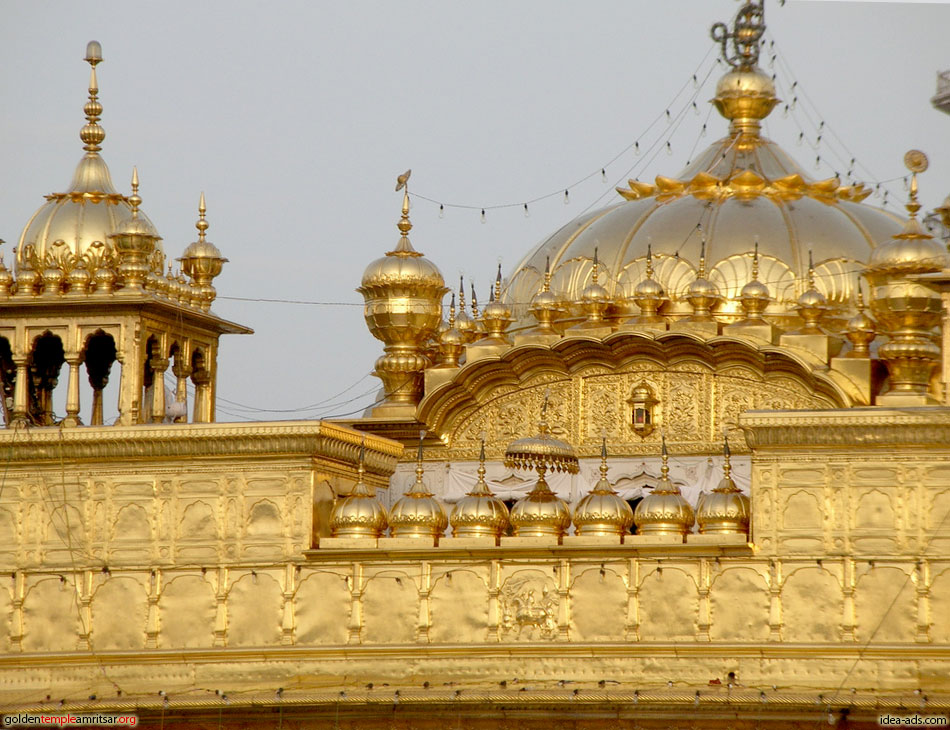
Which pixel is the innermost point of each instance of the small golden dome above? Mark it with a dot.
(602, 511)
(541, 512)
(664, 511)
(725, 510)
(702, 294)
(755, 295)
(90, 209)
(479, 513)
(860, 330)
(6, 279)
(417, 513)
(463, 323)
(496, 316)
(359, 514)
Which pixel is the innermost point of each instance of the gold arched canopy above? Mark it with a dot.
(702, 386)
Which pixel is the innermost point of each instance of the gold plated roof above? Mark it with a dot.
(90, 208)
(742, 187)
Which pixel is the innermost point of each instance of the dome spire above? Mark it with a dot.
(745, 95)
(479, 513)
(404, 247)
(92, 134)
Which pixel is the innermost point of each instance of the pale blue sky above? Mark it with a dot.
(296, 117)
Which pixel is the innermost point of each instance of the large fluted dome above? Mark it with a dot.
(742, 188)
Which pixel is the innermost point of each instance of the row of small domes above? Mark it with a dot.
(601, 512)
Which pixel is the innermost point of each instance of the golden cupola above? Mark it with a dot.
(541, 512)
(134, 241)
(360, 514)
(202, 261)
(451, 341)
(755, 296)
(77, 223)
(649, 295)
(417, 513)
(664, 511)
(725, 510)
(907, 309)
(463, 323)
(602, 511)
(861, 330)
(479, 513)
(403, 293)
(741, 187)
(496, 316)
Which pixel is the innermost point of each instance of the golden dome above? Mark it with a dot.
(202, 260)
(755, 295)
(359, 514)
(541, 512)
(134, 241)
(451, 341)
(496, 316)
(664, 511)
(725, 510)
(602, 511)
(479, 513)
(742, 186)
(417, 513)
(90, 209)
(403, 293)
(860, 330)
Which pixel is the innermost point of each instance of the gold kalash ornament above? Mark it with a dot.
(541, 512)
(602, 511)
(417, 513)
(360, 514)
(664, 511)
(479, 513)
(403, 293)
(725, 510)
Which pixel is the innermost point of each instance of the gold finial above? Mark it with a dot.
(665, 459)
(755, 261)
(748, 27)
(702, 258)
(92, 134)
(202, 225)
(498, 284)
(726, 454)
(452, 312)
(134, 200)
(546, 286)
(361, 469)
(402, 183)
(461, 293)
(915, 161)
(603, 457)
(420, 470)
(474, 303)
(481, 462)
(811, 270)
(650, 259)
(595, 273)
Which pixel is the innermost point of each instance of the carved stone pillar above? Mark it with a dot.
(158, 366)
(74, 360)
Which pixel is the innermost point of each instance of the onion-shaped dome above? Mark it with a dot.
(417, 513)
(649, 294)
(134, 241)
(479, 513)
(545, 305)
(812, 304)
(496, 316)
(595, 300)
(467, 326)
(725, 510)
(451, 341)
(202, 260)
(541, 512)
(664, 511)
(6, 279)
(403, 292)
(602, 511)
(755, 296)
(702, 294)
(742, 186)
(861, 330)
(90, 209)
(359, 514)
(908, 309)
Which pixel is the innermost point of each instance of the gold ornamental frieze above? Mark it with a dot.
(695, 402)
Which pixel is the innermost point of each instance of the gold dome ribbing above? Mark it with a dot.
(664, 511)
(479, 513)
(602, 511)
(417, 513)
(359, 514)
(725, 510)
